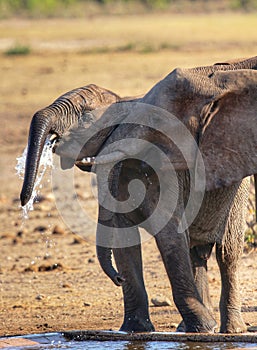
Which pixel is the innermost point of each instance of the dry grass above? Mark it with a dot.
(154, 30)
(127, 54)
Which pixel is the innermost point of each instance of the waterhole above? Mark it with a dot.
(101, 340)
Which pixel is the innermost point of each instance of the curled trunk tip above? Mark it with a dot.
(104, 256)
(117, 279)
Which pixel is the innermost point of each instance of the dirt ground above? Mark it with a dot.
(50, 279)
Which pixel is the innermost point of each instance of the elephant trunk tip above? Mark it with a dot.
(25, 196)
(118, 280)
(104, 255)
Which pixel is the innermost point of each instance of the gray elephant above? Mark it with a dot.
(205, 100)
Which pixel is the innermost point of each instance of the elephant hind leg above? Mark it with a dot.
(228, 256)
(230, 304)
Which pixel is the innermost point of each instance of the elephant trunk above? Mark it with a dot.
(104, 255)
(39, 129)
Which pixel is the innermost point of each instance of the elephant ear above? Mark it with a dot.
(228, 140)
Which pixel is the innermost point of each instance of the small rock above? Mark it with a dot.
(50, 267)
(87, 304)
(40, 297)
(31, 268)
(58, 230)
(15, 241)
(20, 233)
(77, 240)
(40, 228)
(91, 260)
(161, 301)
(14, 267)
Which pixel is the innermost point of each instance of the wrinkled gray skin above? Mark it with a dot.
(201, 98)
(69, 109)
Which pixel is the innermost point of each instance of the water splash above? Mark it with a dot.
(46, 161)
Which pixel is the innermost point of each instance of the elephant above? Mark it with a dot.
(217, 106)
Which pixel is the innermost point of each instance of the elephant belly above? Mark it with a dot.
(210, 223)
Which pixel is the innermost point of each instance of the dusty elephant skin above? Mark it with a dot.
(67, 110)
(218, 106)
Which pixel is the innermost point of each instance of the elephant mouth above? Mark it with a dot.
(54, 138)
(87, 161)
(84, 163)
(85, 158)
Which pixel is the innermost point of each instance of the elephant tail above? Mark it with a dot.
(104, 256)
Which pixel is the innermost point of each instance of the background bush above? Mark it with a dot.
(55, 8)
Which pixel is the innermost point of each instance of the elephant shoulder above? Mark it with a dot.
(171, 88)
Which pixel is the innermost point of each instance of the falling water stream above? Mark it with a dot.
(46, 161)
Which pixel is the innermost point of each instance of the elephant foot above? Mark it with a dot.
(233, 325)
(208, 327)
(196, 317)
(202, 328)
(181, 327)
(135, 324)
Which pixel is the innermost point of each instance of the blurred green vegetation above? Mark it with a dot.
(18, 50)
(76, 8)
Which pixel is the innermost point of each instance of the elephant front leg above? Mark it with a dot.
(175, 253)
(136, 313)
(199, 257)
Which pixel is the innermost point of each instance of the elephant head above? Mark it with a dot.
(68, 110)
